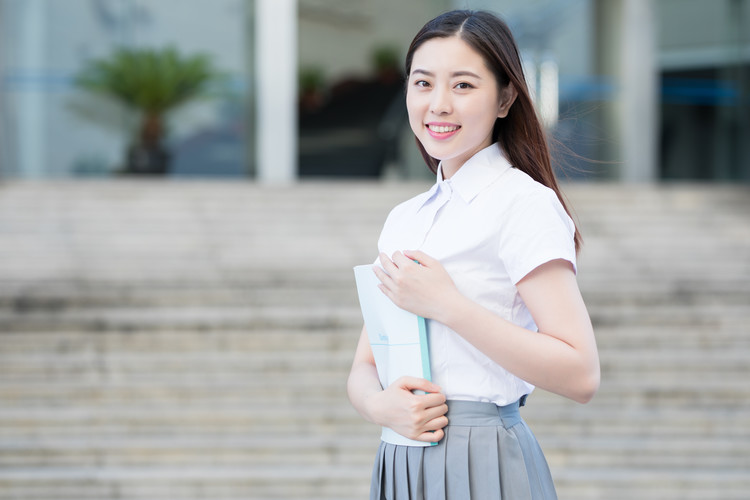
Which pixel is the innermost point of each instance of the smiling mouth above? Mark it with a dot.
(443, 129)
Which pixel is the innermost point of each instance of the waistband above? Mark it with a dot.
(479, 414)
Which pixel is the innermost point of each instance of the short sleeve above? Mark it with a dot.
(536, 231)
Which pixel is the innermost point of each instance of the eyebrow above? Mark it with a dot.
(453, 75)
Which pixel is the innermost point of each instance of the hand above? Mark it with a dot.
(423, 287)
(416, 416)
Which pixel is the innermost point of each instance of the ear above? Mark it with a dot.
(507, 97)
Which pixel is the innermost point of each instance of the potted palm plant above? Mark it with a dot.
(152, 83)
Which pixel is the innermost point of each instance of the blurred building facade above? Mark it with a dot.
(647, 89)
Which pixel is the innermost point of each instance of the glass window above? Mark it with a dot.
(53, 128)
(705, 75)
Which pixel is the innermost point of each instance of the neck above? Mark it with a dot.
(449, 170)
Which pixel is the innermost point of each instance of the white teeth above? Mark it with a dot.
(442, 129)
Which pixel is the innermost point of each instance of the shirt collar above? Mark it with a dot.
(477, 173)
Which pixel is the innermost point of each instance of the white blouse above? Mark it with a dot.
(489, 226)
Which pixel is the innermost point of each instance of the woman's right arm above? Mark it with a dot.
(416, 416)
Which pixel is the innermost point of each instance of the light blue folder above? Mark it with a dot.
(398, 340)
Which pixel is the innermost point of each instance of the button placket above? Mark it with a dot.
(444, 195)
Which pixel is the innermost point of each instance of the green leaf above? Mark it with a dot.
(149, 80)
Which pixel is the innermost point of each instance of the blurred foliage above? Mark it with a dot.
(149, 80)
(311, 78)
(386, 57)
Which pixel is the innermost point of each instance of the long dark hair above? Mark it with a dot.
(520, 134)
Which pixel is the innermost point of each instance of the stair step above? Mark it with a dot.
(204, 481)
(163, 340)
(595, 483)
(104, 364)
(544, 418)
(130, 319)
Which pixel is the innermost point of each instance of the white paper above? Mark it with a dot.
(394, 338)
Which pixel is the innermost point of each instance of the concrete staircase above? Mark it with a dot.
(191, 340)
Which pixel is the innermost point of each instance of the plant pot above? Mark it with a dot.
(142, 160)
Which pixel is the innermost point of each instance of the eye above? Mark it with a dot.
(421, 83)
(464, 86)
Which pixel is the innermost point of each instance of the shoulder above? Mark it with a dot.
(522, 187)
(536, 229)
(534, 207)
(516, 192)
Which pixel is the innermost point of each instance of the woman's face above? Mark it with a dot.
(453, 100)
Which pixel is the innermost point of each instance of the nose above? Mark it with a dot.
(440, 103)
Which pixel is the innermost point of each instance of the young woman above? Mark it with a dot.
(488, 256)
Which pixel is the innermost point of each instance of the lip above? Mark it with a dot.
(433, 126)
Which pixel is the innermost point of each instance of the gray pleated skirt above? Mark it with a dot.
(488, 453)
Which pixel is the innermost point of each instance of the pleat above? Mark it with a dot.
(401, 481)
(457, 462)
(389, 473)
(484, 466)
(539, 476)
(376, 486)
(434, 470)
(514, 479)
(479, 458)
(415, 459)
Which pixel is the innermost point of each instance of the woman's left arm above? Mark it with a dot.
(561, 357)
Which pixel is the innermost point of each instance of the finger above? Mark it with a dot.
(420, 257)
(420, 384)
(434, 399)
(436, 423)
(402, 260)
(435, 412)
(381, 275)
(387, 263)
(387, 292)
(431, 436)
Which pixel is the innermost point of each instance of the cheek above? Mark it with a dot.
(415, 112)
(486, 113)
